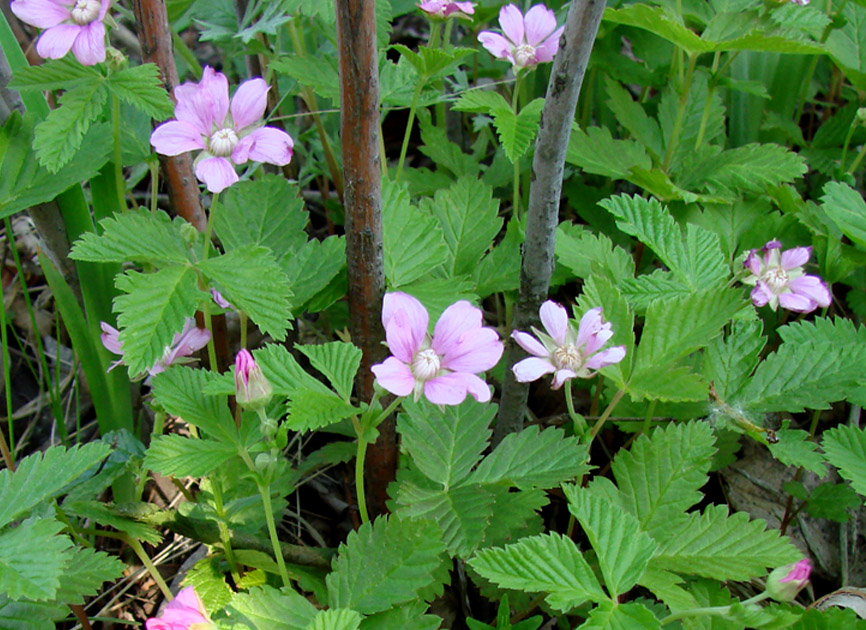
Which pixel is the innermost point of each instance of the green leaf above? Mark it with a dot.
(751, 169)
(59, 136)
(516, 133)
(847, 44)
(180, 456)
(266, 608)
(153, 310)
(313, 409)
(408, 617)
(252, 281)
(830, 619)
(595, 151)
(722, 546)
(179, 391)
(632, 116)
(429, 62)
(845, 448)
(586, 254)
(469, 217)
(338, 361)
(629, 616)
(42, 476)
(623, 550)
(141, 87)
(533, 459)
(661, 476)
(32, 559)
(336, 619)
(833, 501)
(318, 72)
(386, 563)
(414, 243)
(111, 516)
(27, 615)
(670, 384)
(86, 571)
(662, 22)
(549, 563)
(480, 101)
(138, 236)
(794, 448)
(54, 74)
(312, 268)
(846, 208)
(499, 270)
(209, 580)
(730, 360)
(445, 153)
(445, 442)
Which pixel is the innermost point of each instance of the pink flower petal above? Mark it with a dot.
(796, 257)
(753, 262)
(57, 41)
(103, 9)
(549, 47)
(451, 389)
(590, 325)
(214, 89)
(405, 320)
(529, 343)
(249, 103)
(181, 613)
(89, 46)
(203, 105)
(111, 338)
(511, 21)
(495, 44)
(540, 23)
(597, 340)
(267, 144)
(605, 358)
(216, 173)
(190, 340)
(175, 137)
(39, 13)
(532, 369)
(761, 294)
(456, 320)
(560, 376)
(797, 303)
(813, 288)
(555, 320)
(394, 376)
(477, 351)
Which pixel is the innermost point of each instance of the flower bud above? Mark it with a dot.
(784, 583)
(861, 114)
(268, 427)
(252, 389)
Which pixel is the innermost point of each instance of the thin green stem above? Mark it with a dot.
(604, 416)
(148, 564)
(433, 40)
(857, 160)
(578, 420)
(388, 411)
(515, 107)
(158, 426)
(648, 418)
(712, 610)
(223, 529)
(359, 470)
(409, 123)
(265, 491)
(120, 182)
(681, 110)
(7, 380)
(804, 92)
(208, 323)
(154, 185)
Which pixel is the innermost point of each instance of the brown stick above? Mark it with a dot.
(566, 77)
(359, 129)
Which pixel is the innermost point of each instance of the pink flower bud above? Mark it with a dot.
(252, 389)
(784, 583)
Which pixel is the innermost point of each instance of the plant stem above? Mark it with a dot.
(712, 610)
(223, 529)
(579, 421)
(604, 416)
(148, 564)
(647, 420)
(673, 141)
(858, 159)
(120, 182)
(359, 471)
(403, 149)
(265, 491)
(515, 107)
(7, 384)
(154, 185)
(208, 323)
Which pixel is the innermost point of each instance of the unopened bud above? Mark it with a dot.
(784, 583)
(252, 389)
(861, 114)
(269, 428)
(189, 233)
(115, 59)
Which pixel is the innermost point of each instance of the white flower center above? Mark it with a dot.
(776, 278)
(524, 55)
(223, 142)
(425, 365)
(567, 357)
(85, 11)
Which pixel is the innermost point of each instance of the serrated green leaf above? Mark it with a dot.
(59, 136)
(86, 571)
(794, 448)
(722, 546)
(629, 616)
(152, 311)
(138, 236)
(623, 550)
(338, 361)
(445, 442)
(587, 254)
(829, 619)
(32, 559)
(318, 72)
(549, 563)
(445, 153)
(313, 409)
(845, 448)
(533, 459)
(517, 132)
(336, 619)
(27, 615)
(180, 456)
(386, 563)
(428, 62)
(54, 74)
(658, 285)
(109, 516)
(42, 476)
(660, 21)
(515, 515)
(750, 168)
(141, 87)
(312, 268)
(179, 391)
(833, 501)
(632, 116)
(266, 608)
(846, 208)
(437, 294)
(414, 243)
(499, 270)
(279, 367)
(847, 44)
(408, 617)
(252, 281)
(661, 476)
(671, 384)
(480, 101)
(596, 151)
(209, 580)
(729, 361)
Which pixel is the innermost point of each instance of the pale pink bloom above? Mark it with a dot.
(206, 122)
(779, 280)
(219, 300)
(444, 368)
(563, 351)
(252, 389)
(802, 3)
(186, 342)
(444, 8)
(184, 612)
(528, 41)
(68, 24)
(785, 582)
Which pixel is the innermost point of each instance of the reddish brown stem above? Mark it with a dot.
(359, 129)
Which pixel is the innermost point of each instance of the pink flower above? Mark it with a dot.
(184, 612)
(785, 582)
(443, 8)
(563, 351)
(68, 24)
(252, 389)
(187, 341)
(528, 40)
(444, 368)
(206, 122)
(219, 300)
(778, 279)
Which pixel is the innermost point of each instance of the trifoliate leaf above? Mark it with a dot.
(480, 101)
(152, 311)
(252, 281)
(661, 476)
(141, 87)
(179, 391)
(517, 132)
(85, 573)
(845, 448)
(310, 409)
(266, 608)
(32, 559)
(387, 563)
(338, 361)
(629, 616)
(180, 456)
(794, 448)
(751, 169)
(548, 563)
(138, 236)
